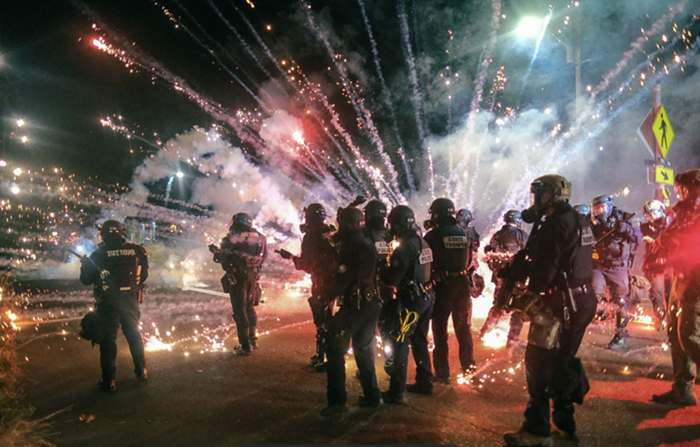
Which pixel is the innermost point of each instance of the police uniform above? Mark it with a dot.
(509, 239)
(241, 254)
(611, 262)
(451, 252)
(118, 269)
(317, 258)
(408, 321)
(560, 243)
(386, 293)
(354, 284)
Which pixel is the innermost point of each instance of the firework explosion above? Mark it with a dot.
(297, 134)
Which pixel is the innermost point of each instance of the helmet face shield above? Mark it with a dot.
(601, 211)
(654, 215)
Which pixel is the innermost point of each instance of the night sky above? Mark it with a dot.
(54, 78)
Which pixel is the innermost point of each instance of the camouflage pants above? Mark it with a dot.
(684, 331)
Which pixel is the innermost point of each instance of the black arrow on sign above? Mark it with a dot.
(665, 174)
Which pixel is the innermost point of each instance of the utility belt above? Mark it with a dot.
(415, 296)
(423, 287)
(359, 295)
(608, 264)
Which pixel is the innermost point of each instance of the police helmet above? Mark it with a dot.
(557, 185)
(583, 209)
(350, 219)
(654, 210)
(688, 184)
(112, 229)
(401, 218)
(242, 220)
(464, 217)
(375, 209)
(315, 213)
(442, 207)
(513, 217)
(602, 206)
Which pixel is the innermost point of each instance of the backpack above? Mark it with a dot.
(92, 328)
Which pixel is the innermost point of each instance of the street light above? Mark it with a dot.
(529, 27)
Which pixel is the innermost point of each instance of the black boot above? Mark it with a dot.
(107, 385)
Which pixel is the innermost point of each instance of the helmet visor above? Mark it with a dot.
(654, 214)
(600, 210)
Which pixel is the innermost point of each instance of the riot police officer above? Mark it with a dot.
(118, 269)
(583, 210)
(677, 248)
(612, 258)
(560, 272)
(376, 231)
(464, 219)
(657, 221)
(509, 239)
(317, 258)
(354, 285)
(451, 251)
(408, 321)
(241, 255)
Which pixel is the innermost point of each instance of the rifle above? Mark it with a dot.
(516, 271)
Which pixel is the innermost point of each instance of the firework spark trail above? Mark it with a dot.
(479, 90)
(543, 31)
(636, 47)
(264, 46)
(554, 163)
(387, 98)
(213, 54)
(245, 45)
(363, 115)
(461, 171)
(169, 187)
(136, 57)
(206, 35)
(416, 95)
(335, 120)
(121, 129)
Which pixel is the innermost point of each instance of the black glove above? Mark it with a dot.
(213, 248)
(285, 254)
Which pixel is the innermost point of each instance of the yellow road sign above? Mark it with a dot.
(664, 175)
(666, 194)
(663, 131)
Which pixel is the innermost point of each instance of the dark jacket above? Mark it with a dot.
(562, 242)
(242, 251)
(451, 248)
(317, 256)
(615, 250)
(357, 266)
(405, 261)
(125, 267)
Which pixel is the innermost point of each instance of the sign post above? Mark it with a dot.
(657, 135)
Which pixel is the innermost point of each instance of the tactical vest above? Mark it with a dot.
(120, 269)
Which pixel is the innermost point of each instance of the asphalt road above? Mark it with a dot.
(273, 397)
